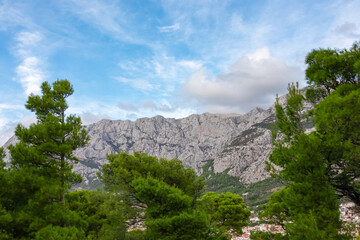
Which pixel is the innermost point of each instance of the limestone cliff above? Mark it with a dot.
(239, 144)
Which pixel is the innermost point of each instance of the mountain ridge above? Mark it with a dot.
(237, 143)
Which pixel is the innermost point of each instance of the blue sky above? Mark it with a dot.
(133, 59)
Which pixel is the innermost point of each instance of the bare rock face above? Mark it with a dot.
(238, 144)
(192, 139)
(246, 154)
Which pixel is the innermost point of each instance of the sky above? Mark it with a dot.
(133, 59)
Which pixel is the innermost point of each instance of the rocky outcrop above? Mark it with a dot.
(238, 144)
(245, 156)
(193, 139)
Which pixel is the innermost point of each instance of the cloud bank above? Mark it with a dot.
(253, 80)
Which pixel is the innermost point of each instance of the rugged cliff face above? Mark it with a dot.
(193, 139)
(238, 144)
(244, 157)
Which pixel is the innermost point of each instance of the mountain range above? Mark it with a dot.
(236, 143)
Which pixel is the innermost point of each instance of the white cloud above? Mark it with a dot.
(191, 65)
(28, 39)
(140, 84)
(11, 15)
(89, 118)
(160, 73)
(179, 113)
(10, 106)
(253, 80)
(169, 68)
(150, 108)
(128, 106)
(105, 16)
(162, 106)
(30, 75)
(8, 122)
(3, 121)
(98, 13)
(29, 72)
(93, 110)
(27, 120)
(171, 28)
(7, 130)
(5, 134)
(289, 30)
(345, 28)
(259, 54)
(132, 116)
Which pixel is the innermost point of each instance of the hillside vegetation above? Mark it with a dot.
(257, 193)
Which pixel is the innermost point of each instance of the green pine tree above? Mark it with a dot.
(49, 143)
(41, 163)
(165, 193)
(320, 166)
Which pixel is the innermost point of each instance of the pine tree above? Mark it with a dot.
(307, 207)
(169, 193)
(49, 143)
(5, 216)
(41, 164)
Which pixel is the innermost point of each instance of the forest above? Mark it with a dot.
(318, 169)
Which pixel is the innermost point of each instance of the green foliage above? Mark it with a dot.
(329, 68)
(336, 119)
(102, 212)
(259, 235)
(186, 225)
(168, 214)
(169, 192)
(135, 235)
(289, 120)
(332, 149)
(124, 168)
(334, 144)
(2, 155)
(305, 226)
(32, 203)
(298, 201)
(5, 200)
(220, 182)
(276, 211)
(257, 193)
(226, 211)
(160, 198)
(59, 233)
(166, 188)
(315, 164)
(48, 145)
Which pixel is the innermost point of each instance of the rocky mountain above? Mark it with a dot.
(238, 144)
